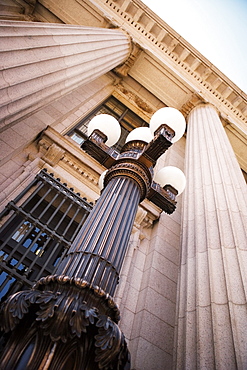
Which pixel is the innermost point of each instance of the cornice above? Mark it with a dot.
(152, 33)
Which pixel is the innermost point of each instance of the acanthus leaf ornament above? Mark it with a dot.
(16, 307)
(82, 317)
(111, 352)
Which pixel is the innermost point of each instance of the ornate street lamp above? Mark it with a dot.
(69, 320)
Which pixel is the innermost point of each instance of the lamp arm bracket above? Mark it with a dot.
(160, 143)
(163, 198)
(96, 147)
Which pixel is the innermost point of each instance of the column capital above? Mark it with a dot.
(202, 104)
(194, 100)
(124, 68)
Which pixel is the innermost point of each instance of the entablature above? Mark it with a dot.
(158, 39)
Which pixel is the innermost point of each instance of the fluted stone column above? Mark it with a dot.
(212, 312)
(42, 61)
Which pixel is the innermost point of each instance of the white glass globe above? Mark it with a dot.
(106, 124)
(140, 133)
(171, 176)
(172, 118)
(101, 180)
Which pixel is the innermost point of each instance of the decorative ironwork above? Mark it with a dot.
(159, 145)
(40, 225)
(136, 157)
(99, 150)
(133, 170)
(163, 198)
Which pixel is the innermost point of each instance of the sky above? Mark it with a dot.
(216, 28)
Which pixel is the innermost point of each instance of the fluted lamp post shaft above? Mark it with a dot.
(103, 241)
(71, 316)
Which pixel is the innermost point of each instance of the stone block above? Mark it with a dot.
(133, 346)
(205, 350)
(137, 279)
(144, 245)
(35, 123)
(11, 138)
(162, 284)
(213, 231)
(150, 357)
(157, 304)
(26, 131)
(239, 327)
(137, 324)
(191, 282)
(235, 280)
(4, 185)
(9, 168)
(167, 235)
(131, 299)
(165, 266)
(190, 341)
(149, 261)
(52, 111)
(165, 249)
(126, 322)
(202, 280)
(141, 300)
(168, 222)
(157, 332)
(140, 259)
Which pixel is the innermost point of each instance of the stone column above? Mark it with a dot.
(212, 313)
(40, 62)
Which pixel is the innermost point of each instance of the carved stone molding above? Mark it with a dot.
(81, 170)
(150, 30)
(53, 155)
(140, 217)
(56, 150)
(191, 103)
(19, 10)
(135, 99)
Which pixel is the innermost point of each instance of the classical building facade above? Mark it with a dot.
(183, 285)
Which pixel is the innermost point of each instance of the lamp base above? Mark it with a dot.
(63, 323)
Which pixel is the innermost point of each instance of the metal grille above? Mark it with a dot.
(41, 224)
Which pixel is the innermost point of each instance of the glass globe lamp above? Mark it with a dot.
(140, 133)
(108, 125)
(172, 118)
(171, 176)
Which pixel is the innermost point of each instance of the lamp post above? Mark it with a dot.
(71, 316)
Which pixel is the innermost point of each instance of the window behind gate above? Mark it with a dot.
(127, 119)
(41, 223)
